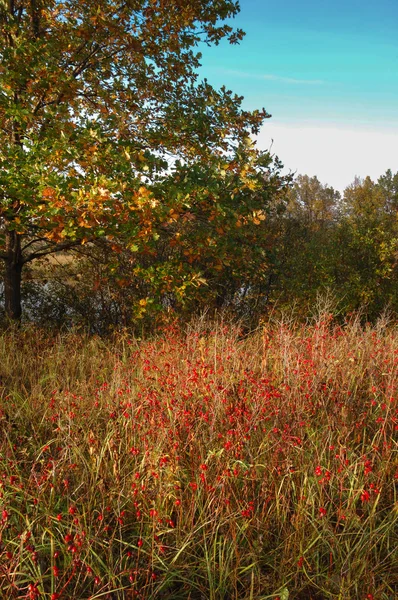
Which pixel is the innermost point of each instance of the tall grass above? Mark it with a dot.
(200, 464)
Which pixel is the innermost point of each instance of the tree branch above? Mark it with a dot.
(51, 250)
(34, 241)
(35, 16)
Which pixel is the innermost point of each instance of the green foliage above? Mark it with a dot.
(100, 114)
(369, 234)
(111, 148)
(305, 248)
(344, 245)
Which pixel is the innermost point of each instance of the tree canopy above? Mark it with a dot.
(100, 111)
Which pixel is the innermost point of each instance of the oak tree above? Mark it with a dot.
(98, 100)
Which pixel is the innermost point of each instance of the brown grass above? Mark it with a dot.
(201, 464)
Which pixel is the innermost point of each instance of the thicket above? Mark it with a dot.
(345, 244)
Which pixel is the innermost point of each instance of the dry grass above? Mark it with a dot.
(200, 465)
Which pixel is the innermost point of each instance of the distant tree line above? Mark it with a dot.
(347, 245)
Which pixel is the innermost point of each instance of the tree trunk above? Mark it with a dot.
(12, 276)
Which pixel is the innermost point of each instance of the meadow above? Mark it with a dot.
(201, 463)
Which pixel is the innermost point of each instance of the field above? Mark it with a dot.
(201, 463)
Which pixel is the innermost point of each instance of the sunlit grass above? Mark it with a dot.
(200, 464)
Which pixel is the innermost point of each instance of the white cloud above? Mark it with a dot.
(271, 77)
(334, 154)
(294, 80)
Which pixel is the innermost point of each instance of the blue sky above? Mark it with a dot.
(327, 71)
